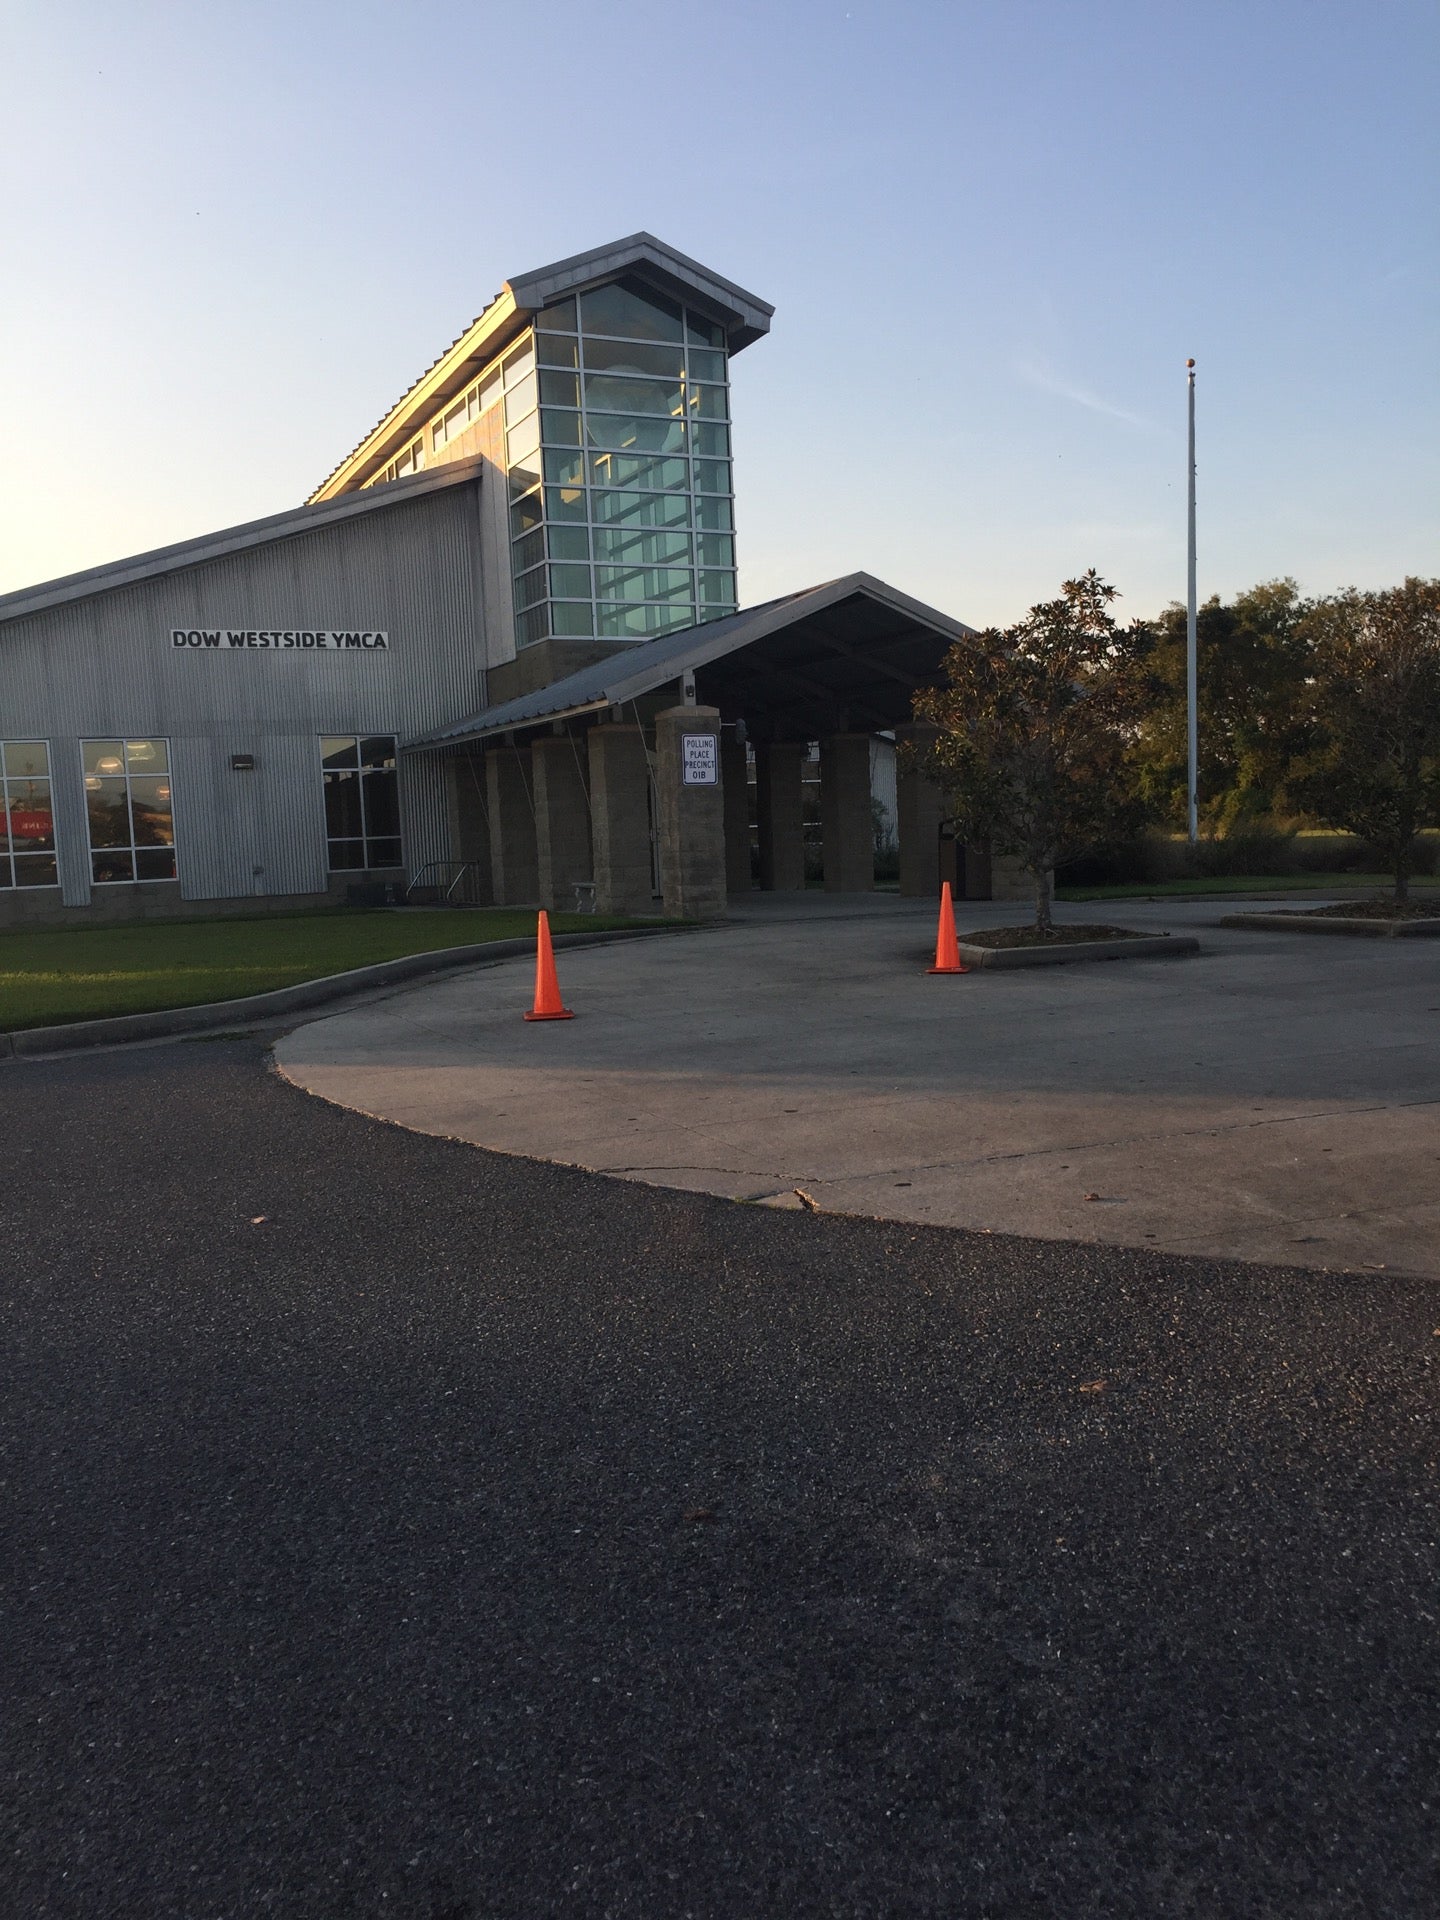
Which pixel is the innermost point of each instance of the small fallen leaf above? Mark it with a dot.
(1092, 1196)
(695, 1515)
(1093, 1386)
(808, 1201)
(259, 1219)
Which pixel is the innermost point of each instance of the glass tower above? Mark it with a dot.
(617, 423)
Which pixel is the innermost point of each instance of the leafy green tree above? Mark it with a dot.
(1251, 665)
(1373, 707)
(1034, 728)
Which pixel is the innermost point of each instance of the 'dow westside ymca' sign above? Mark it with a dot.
(290, 640)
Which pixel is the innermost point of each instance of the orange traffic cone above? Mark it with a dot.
(947, 947)
(547, 987)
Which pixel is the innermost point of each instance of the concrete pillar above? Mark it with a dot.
(919, 807)
(777, 812)
(467, 807)
(735, 773)
(620, 820)
(562, 819)
(514, 870)
(691, 817)
(846, 828)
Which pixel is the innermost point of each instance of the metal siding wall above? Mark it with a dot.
(67, 797)
(210, 837)
(104, 668)
(424, 814)
(292, 816)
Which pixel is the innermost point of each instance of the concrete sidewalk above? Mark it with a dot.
(1271, 1099)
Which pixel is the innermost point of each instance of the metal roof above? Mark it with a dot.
(214, 546)
(850, 647)
(744, 316)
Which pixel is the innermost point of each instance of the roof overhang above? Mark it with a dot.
(844, 656)
(744, 316)
(216, 546)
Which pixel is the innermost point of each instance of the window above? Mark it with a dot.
(27, 823)
(631, 310)
(636, 451)
(362, 800)
(129, 809)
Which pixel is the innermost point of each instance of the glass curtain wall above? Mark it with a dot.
(618, 426)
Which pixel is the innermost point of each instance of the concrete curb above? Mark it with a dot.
(1161, 946)
(256, 1007)
(1335, 923)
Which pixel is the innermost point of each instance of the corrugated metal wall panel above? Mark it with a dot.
(424, 814)
(67, 797)
(292, 815)
(104, 667)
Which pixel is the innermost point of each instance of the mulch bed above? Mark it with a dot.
(1376, 909)
(1057, 936)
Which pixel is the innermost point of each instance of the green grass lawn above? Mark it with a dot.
(88, 973)
(1244, 883)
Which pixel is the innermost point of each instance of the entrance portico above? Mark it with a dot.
(602, 775)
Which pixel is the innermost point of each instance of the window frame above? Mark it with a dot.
(8, 855)
(366, 837)
(136, 879)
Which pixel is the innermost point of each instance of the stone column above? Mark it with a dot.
(620, 820)
(562, 819)
(691, 818)
(735, 773)
(467, 807)
(920, 807)
(847, 832)
(777, 812)
(514, 871)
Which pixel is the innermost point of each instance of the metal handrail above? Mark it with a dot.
(449, 876)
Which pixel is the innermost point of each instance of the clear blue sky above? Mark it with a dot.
(992, 232)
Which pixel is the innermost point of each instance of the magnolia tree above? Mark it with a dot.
(1035, 727)
(1373, 703)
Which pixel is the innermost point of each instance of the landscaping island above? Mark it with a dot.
(1377, 918)
(1032, 946)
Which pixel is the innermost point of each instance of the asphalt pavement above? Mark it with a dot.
(393, 1527)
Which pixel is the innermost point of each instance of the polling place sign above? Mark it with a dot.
(282, 640)
(699, 760)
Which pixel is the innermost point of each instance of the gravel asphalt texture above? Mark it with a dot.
(395, 1528)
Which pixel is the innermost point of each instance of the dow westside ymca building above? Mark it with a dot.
(498, 655)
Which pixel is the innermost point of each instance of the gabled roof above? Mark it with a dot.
(744, 316)
(214, 546)
(854, 646)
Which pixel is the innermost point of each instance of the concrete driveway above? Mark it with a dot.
(1273, 1098)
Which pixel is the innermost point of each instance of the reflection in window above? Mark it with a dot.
(631, 310)
(27, 821)
(129, 809)
(650, 409)
(362, 801)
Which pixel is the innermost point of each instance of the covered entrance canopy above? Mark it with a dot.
(631, 775)
(842, 657)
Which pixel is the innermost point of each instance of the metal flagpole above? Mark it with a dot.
(1192, 731)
